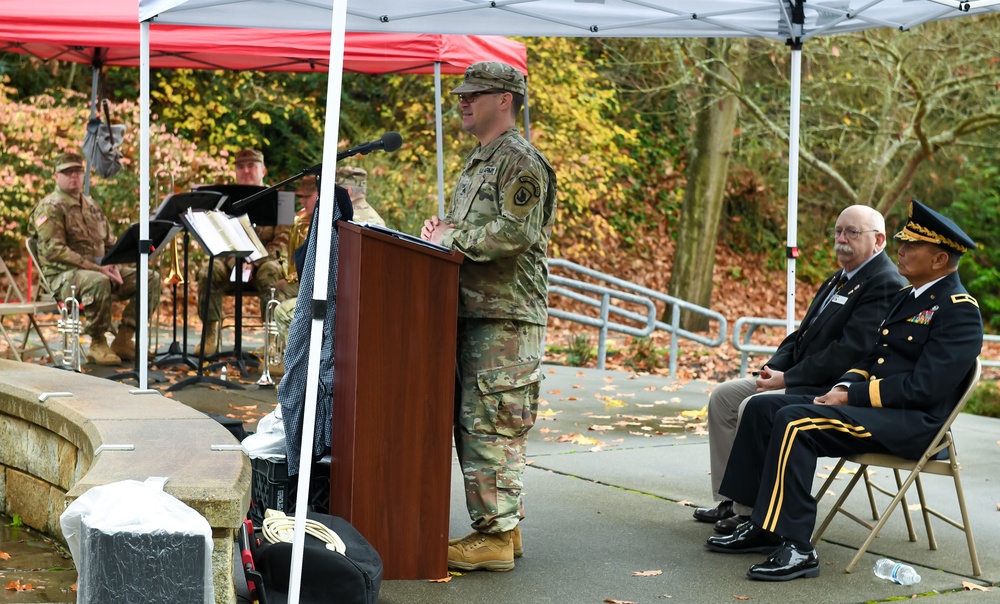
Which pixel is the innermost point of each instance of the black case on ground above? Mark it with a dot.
(327, 576)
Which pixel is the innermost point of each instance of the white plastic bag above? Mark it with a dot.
(127, 538)
(268, 442)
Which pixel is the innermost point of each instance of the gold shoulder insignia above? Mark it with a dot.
(905, 287)
(956, 298)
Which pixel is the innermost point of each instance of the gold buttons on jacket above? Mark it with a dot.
(909, 338)
(880, 361)
(885, 332)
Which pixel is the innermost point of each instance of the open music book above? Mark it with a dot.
(220, 233)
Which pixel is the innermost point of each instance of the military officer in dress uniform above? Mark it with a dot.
(837, 331)
(894, 401)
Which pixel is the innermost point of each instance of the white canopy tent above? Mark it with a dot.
(792, 21)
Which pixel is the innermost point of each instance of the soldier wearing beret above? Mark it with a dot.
(265, 273)
(894, 401)
(501, 218)
(73, 234)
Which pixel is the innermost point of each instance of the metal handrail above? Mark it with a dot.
(645, 297)
(745, 348)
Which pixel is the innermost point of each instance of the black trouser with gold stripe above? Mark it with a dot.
(779, 439)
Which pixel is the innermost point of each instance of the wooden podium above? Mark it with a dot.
(393, 397)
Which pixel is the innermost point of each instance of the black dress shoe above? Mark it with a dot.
(726, 526)
(713, 515)
(747, 538)
(788, 562)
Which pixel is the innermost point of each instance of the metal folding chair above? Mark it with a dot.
(939, 458)
(15, 303)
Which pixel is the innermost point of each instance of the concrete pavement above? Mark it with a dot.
(605, 503)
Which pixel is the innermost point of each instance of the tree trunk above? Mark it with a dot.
(694, 259)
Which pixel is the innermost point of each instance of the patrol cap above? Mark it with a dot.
(491, 75)
(68, 159)
(307, 187)
(352, 176)
(247, 156)
(928, 226)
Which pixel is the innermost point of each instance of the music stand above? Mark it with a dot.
(239, 255)
(126, 251)
(263, 213)
(171, 209)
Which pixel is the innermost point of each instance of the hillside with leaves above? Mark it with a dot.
(615, 118)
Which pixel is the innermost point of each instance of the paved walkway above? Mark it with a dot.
(618, 461)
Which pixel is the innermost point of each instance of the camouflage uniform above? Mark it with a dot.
(355, 180)
(72, 234)
(503, 209)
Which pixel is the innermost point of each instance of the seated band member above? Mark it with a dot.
(265, 273)
(894, 401)
(837, 331)
(73, 233)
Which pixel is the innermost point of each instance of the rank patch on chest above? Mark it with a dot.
(487, 170)
(923, 317)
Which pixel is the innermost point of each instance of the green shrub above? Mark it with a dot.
(642, 355)
(579, 352)
(985, 400)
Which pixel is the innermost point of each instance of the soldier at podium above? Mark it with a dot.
(265, 273)
(501, 218)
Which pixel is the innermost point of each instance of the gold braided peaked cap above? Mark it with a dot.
(928, 226)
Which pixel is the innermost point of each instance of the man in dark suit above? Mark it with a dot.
(837, 331)
(894, 401)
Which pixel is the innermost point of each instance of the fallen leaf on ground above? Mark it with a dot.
(243, 407)
(4, 556)
(609, 379)
(18, 586)
(967, 586)
(741, 597)
(608, 387)
(579, 374)
(555, 391)
(548, 413)
(596, 428)
(685, 502)
(578, 439)
(572, 398)
(441, 580)
(647, 573)
(613, 601)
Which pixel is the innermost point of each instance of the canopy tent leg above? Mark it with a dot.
(793, 183)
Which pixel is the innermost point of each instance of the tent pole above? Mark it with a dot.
(142, 268)
(793, 181)
(527, 120)
(324, 239)
(439, 133)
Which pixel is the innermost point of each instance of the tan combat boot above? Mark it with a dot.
(211, 343)
(101, 354)
(124, 344)
(483, 551)
(518, 548)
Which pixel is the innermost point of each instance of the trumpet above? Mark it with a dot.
(273, 346)
(70, 327)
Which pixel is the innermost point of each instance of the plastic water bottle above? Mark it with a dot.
(225, 378)
(896, 572)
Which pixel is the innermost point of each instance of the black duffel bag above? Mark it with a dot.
(328, 577)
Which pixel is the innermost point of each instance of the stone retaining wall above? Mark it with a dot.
(47, 453)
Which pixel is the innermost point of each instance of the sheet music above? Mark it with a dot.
(222, 233)
(401, 235)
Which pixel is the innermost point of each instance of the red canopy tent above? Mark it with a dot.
(105, 33)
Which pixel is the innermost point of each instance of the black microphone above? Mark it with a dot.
(390, 141)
